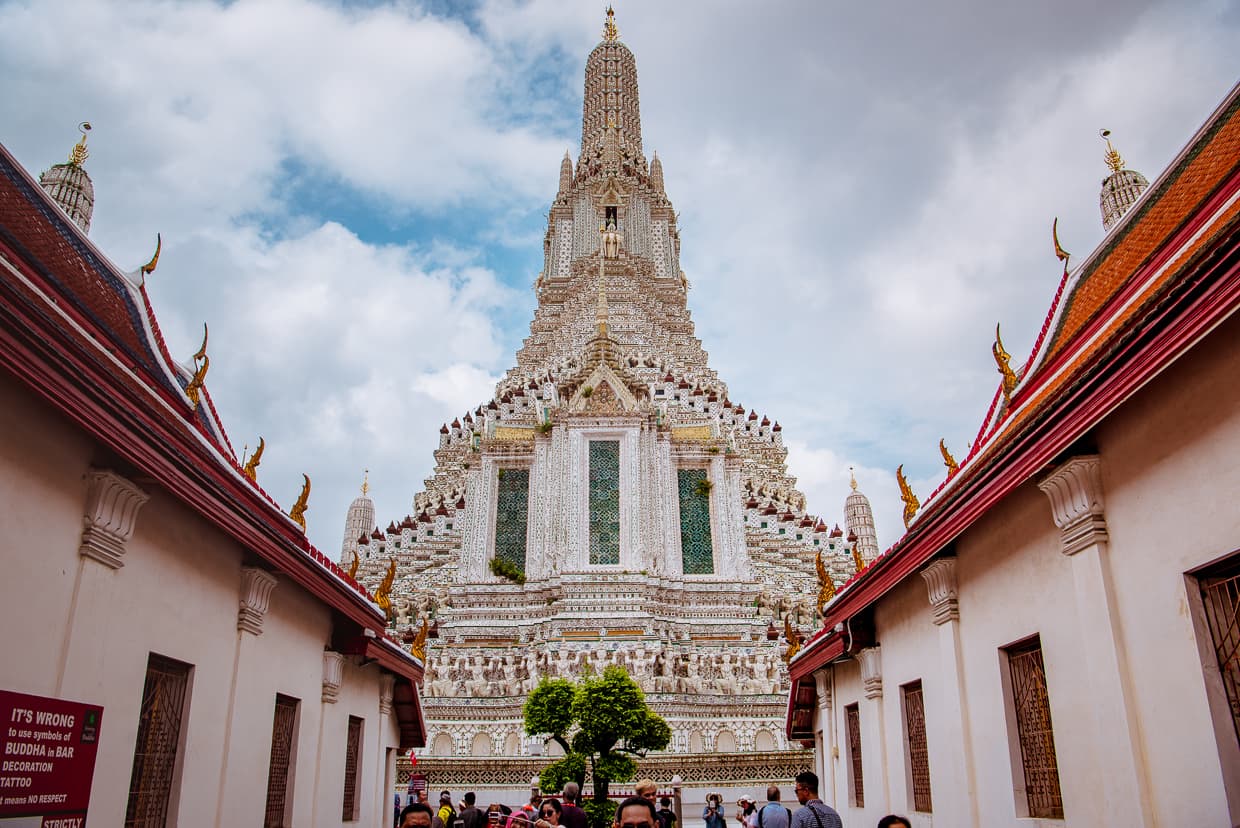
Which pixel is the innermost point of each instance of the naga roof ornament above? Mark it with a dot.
(948, 460)
(1004, 361)
(201, 363)
(911, 503)
(298, 512)
(251, 465)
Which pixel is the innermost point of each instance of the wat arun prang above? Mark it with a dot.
(610, 504)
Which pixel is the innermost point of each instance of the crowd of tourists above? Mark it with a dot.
(643, 810)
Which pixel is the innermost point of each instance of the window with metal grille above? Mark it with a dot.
(512, 515)
(696, 552)
(604, 496)
(1033, 726)
(352, 770)
(852, 720)
(918, 755)
(159, 736)
(1220, 596)
(282, 729)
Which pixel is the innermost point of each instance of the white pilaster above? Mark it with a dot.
(256, 587)
(874, 731)
(112, 504)
(387, 684)
(1075, 493)
(940, 579)
(871, 672)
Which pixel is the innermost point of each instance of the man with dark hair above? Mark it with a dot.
(894, 821)
(813, 814)
(773, 815)
(571, 813)
(665, 814)
(471, 816)
(417, 815)
(636, 812)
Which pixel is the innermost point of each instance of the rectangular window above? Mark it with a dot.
(512, 515)
(604, 501)
(918, 755)
(283, 727)
(352, 771)
(159, 737)
(1220, 596)
(696, 552)
(1033, 726)
(852, 721)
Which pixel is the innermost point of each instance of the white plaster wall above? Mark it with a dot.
(177, 595)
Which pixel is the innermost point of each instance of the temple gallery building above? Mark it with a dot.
(244, 678)
(1056, 637)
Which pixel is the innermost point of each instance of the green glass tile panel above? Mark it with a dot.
(604, 501)
(696, 553)
(512, 516)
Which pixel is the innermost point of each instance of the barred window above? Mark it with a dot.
(918, 755)
(352, 771)
(283, 727)
(1221, 599)
(1033, 725)
(512, 515)
(159, 736)
(852, 720)
(604, 495)
(696, 552)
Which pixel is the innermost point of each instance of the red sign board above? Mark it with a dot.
(47, 759)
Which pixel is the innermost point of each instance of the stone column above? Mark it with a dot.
(874, 731)
(948, 735)
(1075, 492)
(822, 682)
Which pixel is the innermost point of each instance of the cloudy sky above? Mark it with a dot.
(353, 197)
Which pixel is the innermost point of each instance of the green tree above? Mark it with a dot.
(601, 722)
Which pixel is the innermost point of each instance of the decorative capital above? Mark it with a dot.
(387, 684)
(112, 504)
(941, 584)
(1075, 492)
(822, 682)
(871, 672)
(256, 587)
(333, 675)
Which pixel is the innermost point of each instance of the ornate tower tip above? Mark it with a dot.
(610, 32)
(365, 482)
(1114, 160)
(852, 479)
(79, 153)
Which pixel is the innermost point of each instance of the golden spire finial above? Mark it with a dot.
(1114, 160)
(251, 466)
(298, 512)
(911, 503)
(1003, 360)
(365, 482)
(610, 32)
(948, 460)
(852, 479)
(79, 153)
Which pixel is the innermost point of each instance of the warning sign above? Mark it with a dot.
(47, 759)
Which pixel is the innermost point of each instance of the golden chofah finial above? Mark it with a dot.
(826, 586)
(298, 512)
(194, 389)
(948, 460)
(383, 595)
(911, 503)
(251, 465)
(149, 267)
(1114, 160)
(357, 559)
(794, 640)
(1060, 254)
(79, 153)
(365, 482)
(418, 648)
(201, 353)
(1004, 360)
(610, 32)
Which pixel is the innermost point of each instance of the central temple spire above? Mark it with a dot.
(611, 93)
